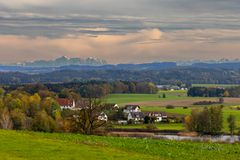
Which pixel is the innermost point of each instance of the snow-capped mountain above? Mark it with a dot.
(64, 61)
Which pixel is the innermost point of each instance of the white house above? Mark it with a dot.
(103, 117)
(159, 116)
(116, 106)
(66, 103)
(131, 108)
(136, 116)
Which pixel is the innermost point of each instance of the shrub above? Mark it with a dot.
(170, 107)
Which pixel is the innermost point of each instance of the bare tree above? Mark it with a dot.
(87, 121)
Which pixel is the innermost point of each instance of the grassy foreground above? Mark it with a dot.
(21, 145)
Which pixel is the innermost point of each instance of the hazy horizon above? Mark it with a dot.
(134, 31)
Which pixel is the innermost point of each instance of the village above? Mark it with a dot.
(130, 114)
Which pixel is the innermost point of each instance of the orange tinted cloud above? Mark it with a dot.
(142, 46)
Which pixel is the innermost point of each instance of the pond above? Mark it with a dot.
(222, 138)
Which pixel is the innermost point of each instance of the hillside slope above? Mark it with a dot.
(29, 145)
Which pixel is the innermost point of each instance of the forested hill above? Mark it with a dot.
(47, 69)
(235, 65)
(160, 76)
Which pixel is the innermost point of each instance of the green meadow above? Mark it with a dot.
(160, 126)
(23, 145)
(129, 98)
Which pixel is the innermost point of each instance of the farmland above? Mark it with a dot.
(130, 98)
(32, 145)
(178, 99)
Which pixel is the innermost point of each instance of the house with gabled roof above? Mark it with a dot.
(158, 116)
(131, 108)
(136, 116)
(66, 103)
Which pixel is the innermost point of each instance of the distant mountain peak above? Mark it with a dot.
(64, 61)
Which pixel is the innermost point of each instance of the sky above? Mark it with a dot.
(126, 31)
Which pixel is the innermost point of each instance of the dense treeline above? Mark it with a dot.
(22, 111)
(214, 92)
(192, 75)
(233, 92)
(206, 92)
(86, 89)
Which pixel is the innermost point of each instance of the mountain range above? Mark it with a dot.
(64, 61)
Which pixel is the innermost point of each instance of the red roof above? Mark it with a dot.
(65, 102)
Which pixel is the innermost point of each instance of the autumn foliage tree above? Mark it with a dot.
(207, 121)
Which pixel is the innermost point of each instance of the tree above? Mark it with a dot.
(147, 120)
(226, 94)
(208, 120)
(164, 95)
(5, 119)
(216, 119)
(231, 123)
(120, 87)
(87, 121)
(132, 87)
(43, 122)
(1, 92)
(34, 102)
(93, 91)
(148, 88)
(50, 106)
(18, 119)
(188, 123)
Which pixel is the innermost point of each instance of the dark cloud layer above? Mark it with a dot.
(185, 28)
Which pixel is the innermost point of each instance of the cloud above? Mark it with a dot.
(142, 46)
(206, 35)
(27, 3)
(119, 31)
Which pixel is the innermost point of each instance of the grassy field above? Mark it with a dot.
(176, 98)
(162, 126)
(130, 98)
(29, 145)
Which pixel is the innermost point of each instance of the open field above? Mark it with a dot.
(162, 126)
(141, 98)
(188, 102)
(175, 98)
(29, 145)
